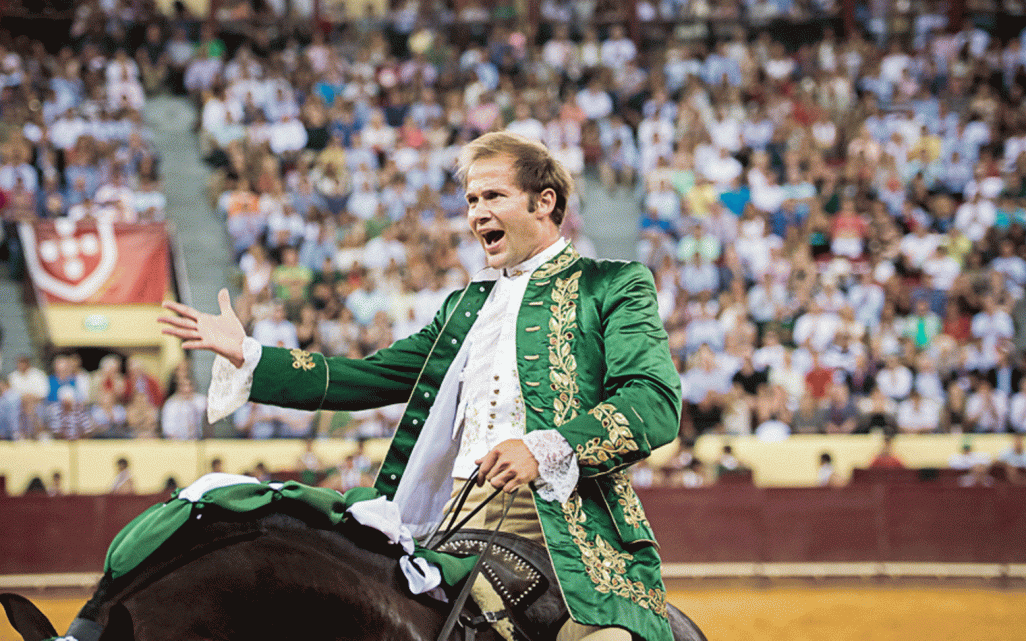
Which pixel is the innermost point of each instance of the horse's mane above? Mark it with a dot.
(299, 527)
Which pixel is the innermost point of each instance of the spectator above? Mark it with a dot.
(1017, 409)
(841, 412)
(968, 458)
(140, 382)
(56, 485)
(183, 416)
(1013, 459)
(987, 408)
(30, 386)
(124, 482)
(276, 329)
(877, 412)
(918, 415)
(886, 458)
(109, 417)
(895, 379)
(826, 475)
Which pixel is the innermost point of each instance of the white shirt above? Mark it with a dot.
(283, 334)
(491, 406)
(924, 417)
(1017, 412)
(33, 382)
(182, 418)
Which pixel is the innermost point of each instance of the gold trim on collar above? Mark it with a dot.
(567, 257)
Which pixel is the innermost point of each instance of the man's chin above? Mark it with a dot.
(497, 261)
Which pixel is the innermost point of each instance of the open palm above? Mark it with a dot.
(222, 334)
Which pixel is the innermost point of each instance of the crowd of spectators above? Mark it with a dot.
(837, 233)
(121, 399)
(835, 226)
(73, 143)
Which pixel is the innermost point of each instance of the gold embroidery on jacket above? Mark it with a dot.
(620, 440)
(302, 359)
(563, 370)
(633, 513)
(561, 262)
(606, 566)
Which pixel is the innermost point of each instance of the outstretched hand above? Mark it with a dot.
(222, 334)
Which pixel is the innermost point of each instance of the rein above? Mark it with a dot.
(454, 509)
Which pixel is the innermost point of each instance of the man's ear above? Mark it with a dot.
(545, 203)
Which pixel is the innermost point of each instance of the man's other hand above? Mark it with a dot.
(508, 466)
(222, 334)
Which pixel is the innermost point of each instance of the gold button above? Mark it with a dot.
(496, 391)
(496, 377)
(491, 416)
(490, 426)
(493, 402)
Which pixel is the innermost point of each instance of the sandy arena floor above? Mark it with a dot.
(800, 613)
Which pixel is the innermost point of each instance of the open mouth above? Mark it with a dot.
(492, 237)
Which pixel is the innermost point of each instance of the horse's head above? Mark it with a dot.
(33, 625)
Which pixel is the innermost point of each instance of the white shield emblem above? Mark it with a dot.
(68, 261)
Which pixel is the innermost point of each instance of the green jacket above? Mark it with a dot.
(593, 362)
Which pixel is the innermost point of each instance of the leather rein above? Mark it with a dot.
(451, 513)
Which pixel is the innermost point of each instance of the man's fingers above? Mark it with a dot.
(485, 466)
(177, 321)
(179, 308)
(224, 301)
(182, 333)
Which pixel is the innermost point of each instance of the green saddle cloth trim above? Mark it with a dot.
(148, 531)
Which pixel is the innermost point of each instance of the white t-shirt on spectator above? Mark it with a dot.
(987, 416)
(942, 270)
(1017, 412)
(916, 249)
(895, 383)
(974, 218)
(288, 135)
(967, 461)
(283, 334)
(919, 418)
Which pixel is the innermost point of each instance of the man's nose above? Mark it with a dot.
(477, 213)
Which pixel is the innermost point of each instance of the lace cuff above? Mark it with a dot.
(557, 464)
(230, 385)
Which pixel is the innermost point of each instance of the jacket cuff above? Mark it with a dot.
(230, 385)
(557, 466)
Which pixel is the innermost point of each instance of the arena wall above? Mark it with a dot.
(865, 523)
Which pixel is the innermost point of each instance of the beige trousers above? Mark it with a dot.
(522, 520)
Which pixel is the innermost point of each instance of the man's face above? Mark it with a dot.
(499, 214)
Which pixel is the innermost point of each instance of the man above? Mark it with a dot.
(549, 370)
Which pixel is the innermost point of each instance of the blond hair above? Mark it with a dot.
(535, 168)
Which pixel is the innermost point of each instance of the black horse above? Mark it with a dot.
(269, 577)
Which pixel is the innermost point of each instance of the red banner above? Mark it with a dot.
(96, 262)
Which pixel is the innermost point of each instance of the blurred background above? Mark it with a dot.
(831, 196)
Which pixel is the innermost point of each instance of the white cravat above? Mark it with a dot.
(491, 406)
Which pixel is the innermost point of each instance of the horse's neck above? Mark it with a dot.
(270, 578)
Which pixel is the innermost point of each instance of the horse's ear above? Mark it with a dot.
(119, 625)
(26, 618)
